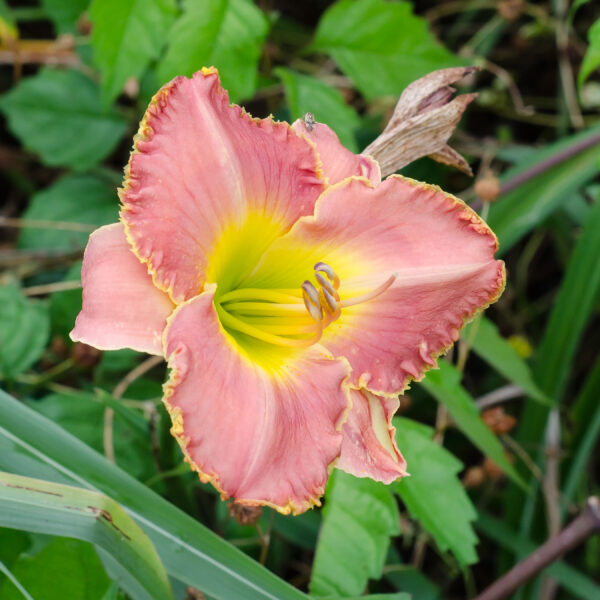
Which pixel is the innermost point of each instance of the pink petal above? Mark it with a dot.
(369, 445)
(338, 161)
(121, 306)
(263, 437)
(439, 250)
(201, 167)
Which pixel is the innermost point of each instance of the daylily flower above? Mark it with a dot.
(293, 294)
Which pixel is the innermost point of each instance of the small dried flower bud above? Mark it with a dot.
(194, 594)
(405, 404)
(511, 10)
(498, 421)
(84, 25)
(488, 188)
(132, 88)
(424, 119)
(84, 355)
(473, 477)
(492, 470)
(245, 515)
(58, 347)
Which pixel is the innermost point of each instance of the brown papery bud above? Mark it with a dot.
(511, 10)
(85, 356)
(498, 421)
(474, 477)
(245, 515)
(424, 119)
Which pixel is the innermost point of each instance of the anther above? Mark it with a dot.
(325, 268)
(324, 282)
(312, 301)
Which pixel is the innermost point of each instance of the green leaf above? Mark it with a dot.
(65, 305)
(489, 345)
(82, 414)
(58, 115)
(24, 331)
(52, 508)
(65, 568)
(227, 34)
(127, 35)
(307, 94)
(32, 445)
(519, 211)
(380, 45)
(433, 493)
(399, 596)
(85, 200)
(572, 580)
(586, 419)
(444, 385)
(359, 517)
(63, 14)
(591, 60)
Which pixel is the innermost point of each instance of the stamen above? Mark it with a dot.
(369, 295)
(325, 268)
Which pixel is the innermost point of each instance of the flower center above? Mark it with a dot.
(289, 317)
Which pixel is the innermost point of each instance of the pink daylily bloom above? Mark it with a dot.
(293, 294)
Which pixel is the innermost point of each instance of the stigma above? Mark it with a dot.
(290, 317)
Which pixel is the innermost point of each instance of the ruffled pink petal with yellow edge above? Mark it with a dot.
(439, 251)
(260, 437)
(369, 445)
(202, 169)
(121, 306)
(338, 161)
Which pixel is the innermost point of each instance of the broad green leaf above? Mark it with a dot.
(52, 508)
(591, 60)
(24, 331)
(82, 414)
(127, 35)
(359, 517)
(32, 445)
(380, 45)
(58, 115)
(227, 34)
(64, 14)
(65, 568)
(433, 493)
(84, 200)
(519, 211)
(305, 93)
(489, 345)
(444, 385)
(578, 584)
(399, 596)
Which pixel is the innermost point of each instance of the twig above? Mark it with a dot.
(580, 529)
(49, 288)
(120, 389)
(510, 84)
(564, 65)
(502, 394)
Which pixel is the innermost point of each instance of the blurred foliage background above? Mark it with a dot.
(502, 441)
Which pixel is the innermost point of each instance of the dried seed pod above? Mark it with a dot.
(244, 515)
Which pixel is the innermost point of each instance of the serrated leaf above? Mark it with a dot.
(433, 493)
(359, 517)
(56, 509)
(227, 34)
(65, 568)
(84, 200)
(58, 115)
(380, 45)
(591, 60)
(127, 35)
(444, 385)
(24, 331)
(489, 345)
(305, 93)
(63, 14)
